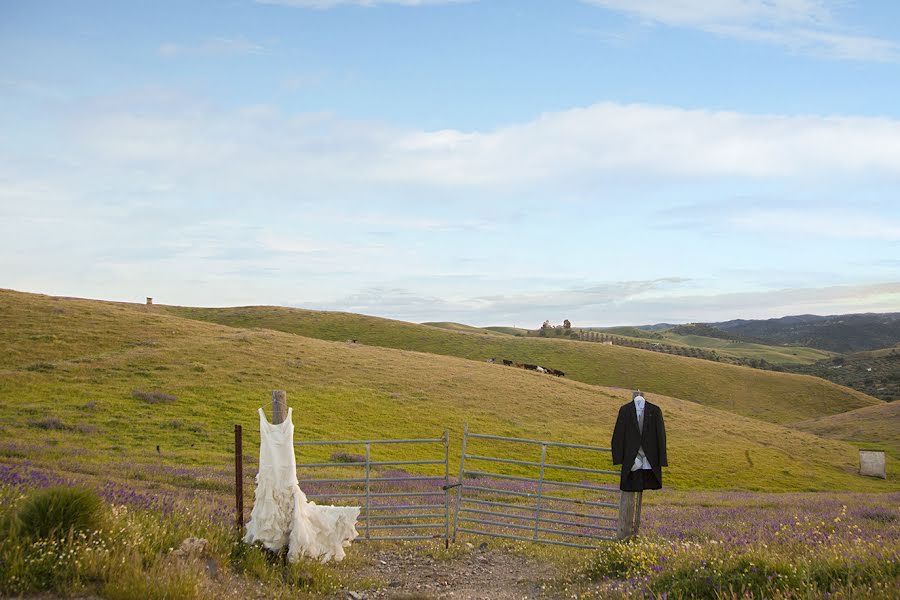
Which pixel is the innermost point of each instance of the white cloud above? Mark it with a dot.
(218, 46)
(322, 4)
(593, 143)
(809, 223)
(801, 26)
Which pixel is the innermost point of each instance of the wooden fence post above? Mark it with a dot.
(279, 406)
(629, 514)
(238, 479)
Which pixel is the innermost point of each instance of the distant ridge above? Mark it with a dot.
(836, 333)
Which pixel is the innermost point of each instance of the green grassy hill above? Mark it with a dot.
(777, 355)
(508, 330)
(71, 367)
(876, 427)
(464, 328)
(874, 372)
(632, 332)
(766, 395)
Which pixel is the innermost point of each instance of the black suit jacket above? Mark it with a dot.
(627, 439)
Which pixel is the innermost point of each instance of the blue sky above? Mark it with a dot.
(491, 162)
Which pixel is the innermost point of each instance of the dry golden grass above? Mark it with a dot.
(95, 354)
(766, 395)
(876, 426)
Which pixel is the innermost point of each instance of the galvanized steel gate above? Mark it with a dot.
(394, 503)
(384, 515)
(520, 508)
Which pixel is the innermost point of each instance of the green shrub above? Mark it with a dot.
(622, 560)
(58, 510)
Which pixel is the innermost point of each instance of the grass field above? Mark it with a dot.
(777, 355)
(766, 395)
(876, 427)
(69, 377)
(464, 328)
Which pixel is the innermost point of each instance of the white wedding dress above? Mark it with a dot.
(282, 516)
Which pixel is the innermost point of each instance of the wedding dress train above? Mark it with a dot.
(282, 516)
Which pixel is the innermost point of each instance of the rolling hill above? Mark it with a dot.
(835, 333)
(72, 367)
(874, 372)
(770, 396)
(465, 328)
(875, 426)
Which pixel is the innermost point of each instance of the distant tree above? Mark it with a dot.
(567, 324)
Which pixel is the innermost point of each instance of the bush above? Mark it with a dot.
(343, 457)
(58, 510)
(153, 397)
(51, 423)
(622, 560)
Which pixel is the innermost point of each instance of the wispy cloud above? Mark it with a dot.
(801, 26)
(217, 46)
(581, 144)
(837, 224)
(323, 4)
(620, 303)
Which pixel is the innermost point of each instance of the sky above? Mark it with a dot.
(492, 162)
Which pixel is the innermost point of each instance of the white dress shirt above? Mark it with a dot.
(640, 461)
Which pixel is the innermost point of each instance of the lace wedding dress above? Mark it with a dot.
(282, 516)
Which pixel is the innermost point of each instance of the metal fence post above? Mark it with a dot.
(368, 492)
(446, 489)
(540, 487)
(462, 471)
(238, 479)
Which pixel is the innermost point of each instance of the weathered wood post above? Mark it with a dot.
(629, 514)
(279, 406)
(238, 479)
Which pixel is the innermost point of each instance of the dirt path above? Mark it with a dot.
(479, 573)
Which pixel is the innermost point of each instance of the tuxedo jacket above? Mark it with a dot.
(627, 438)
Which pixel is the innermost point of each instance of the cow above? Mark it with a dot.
(541, 369)
(508, 363)
(530, 367)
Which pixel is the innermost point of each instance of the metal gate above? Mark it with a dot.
(539, 508)
(381, 491)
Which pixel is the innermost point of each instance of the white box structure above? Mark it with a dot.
(872, 463)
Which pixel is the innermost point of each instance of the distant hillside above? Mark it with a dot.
(508, 330)
(876, 372)
(705, 330)
(71, 367)
(634, 332)
(466, 328)
(770, 396)
(837, 333)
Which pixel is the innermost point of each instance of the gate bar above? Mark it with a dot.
(537, 464)
(553, 498)
(358, 442)
(532, 508)
(555, 444)
(582, 486)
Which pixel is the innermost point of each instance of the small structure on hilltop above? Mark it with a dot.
(149, 300)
